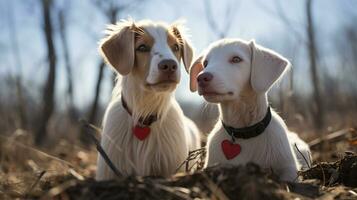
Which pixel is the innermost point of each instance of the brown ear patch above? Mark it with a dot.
(186, 50)
(118, 47)
(176, 33)
(143, 37)
(172, 40)
(174, 30)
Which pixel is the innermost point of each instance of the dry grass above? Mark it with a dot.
(66, 171)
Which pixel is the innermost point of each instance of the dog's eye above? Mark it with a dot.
(143, 48)
(236, 59)
(175, 48)
(205, 63)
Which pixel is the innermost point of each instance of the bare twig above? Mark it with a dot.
(76, 174)
(220, 32)
(334, 176)
(200, 160)
(99, 147)
(279, 13)
(90, 126)
(29, 190)
(302, 156)
(192, 155)
(323, 175)
(215, 189)
(175, 191)
(282, 15)
(59, 189)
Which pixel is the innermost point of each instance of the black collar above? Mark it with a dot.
(250, 131)
(147, 121)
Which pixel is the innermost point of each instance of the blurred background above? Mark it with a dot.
(51, 73)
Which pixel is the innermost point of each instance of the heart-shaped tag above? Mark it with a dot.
(141, 132)
(230, 149)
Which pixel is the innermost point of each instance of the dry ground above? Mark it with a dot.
(66, 171)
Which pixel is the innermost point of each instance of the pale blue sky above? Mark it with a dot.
(252, 19)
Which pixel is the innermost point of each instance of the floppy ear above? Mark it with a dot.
(118, 47)
(266, 67)
(187, 55)
(186, 48)
(195, 69)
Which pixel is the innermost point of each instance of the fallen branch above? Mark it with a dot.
(342, 171)
(218, 182)
(333, 137)
(39, 152)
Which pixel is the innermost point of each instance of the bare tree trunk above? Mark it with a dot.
(21, 107)
(312, 50)
(352, 38)
(111, 14)
(111, 10)
(21, 103)
(62, 23)
(49, 89)
(94, 109)
(92, 118)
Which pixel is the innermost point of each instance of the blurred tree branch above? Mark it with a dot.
(291, 26)
(66, 52)
(18, 62)
(221, 32)
(49, 89)
(110, 10)
(311, 46)
(313, 57)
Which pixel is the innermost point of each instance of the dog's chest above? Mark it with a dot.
(223, 149)
(162, 151)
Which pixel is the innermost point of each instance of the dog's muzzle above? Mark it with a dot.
(167, 69)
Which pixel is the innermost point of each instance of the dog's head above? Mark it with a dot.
(148, 51)
(230, 66)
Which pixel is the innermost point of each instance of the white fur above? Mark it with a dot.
(172, 135)
(241, 91)
(301, 149)
(270, 150)
(161, 153)
(160, 51)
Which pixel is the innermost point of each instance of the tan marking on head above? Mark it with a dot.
(172, 40)
(142, 59)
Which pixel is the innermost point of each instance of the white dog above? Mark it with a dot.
(144, 130)
(237, 75)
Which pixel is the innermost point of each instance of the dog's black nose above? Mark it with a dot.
(204, 78)
(167, 66)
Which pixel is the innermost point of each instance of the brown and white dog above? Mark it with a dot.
(144, 129)
(237, 75)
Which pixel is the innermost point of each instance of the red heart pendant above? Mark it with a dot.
(230, 149)
(141, 132)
